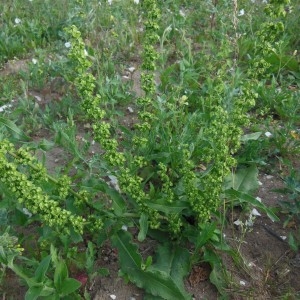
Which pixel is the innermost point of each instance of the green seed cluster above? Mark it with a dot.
(37, 172)
(28, 193)
(33, 198)
(167, 183)
(149, 57)
(131, 184)
(85, 84)
(63, 186)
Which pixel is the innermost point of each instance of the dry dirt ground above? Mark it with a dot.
(266, 267)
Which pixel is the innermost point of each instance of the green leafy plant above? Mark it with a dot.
(169, 175)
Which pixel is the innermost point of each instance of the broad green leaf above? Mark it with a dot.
(169, 208)
(250, 136)
(41, 270)
(245, 180)
(173, 260)
(243, 197)
(60, 274)
(13, 128)
(205, 235)
(143, 227)
(118, 203)
(33, 293)
(154, 281)
(69, 286)
(129, 258)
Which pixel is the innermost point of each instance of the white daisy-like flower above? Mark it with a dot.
(67, 44)
(241, 12)
(17, 21)
(34, 61)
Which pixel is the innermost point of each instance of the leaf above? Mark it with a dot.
(33, 293)
(167, 208)
(217, 274)
(60, 274)
(13, 128)
(242, 197)
(143, 227)
(245, 180)
(205, 235)
(251, 136)
(118, 203)
(41, 270)
(173, 260)
(292, 242)
(129, 258)
(69, 286)
(154, 281)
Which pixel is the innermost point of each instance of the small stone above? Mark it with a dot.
(113, 297)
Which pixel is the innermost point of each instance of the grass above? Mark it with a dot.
(208, 55)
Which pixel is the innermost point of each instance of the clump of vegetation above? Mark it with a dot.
(172, 174)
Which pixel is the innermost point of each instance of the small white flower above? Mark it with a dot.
(242, 282)
(254, 212)
(17, 20)
(136, 1)
(238, 222)
(124, 227)
(67, 44)
(34, 61)
(109, 2)
(268, 134)
(241, 12)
